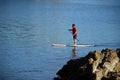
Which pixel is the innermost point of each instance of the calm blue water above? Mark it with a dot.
(28, 28)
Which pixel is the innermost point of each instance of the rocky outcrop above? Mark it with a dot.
(97, 65)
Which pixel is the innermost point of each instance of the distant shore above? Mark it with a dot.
(97, 65)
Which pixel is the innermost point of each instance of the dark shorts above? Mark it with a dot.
(74, 37)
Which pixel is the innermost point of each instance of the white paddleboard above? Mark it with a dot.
(58, 45)
(81, 45)
(78, 45)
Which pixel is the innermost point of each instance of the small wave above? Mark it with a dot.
(26, 71)
(108, 45)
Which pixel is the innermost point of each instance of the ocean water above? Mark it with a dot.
(28, 28)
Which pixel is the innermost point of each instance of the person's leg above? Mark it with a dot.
(74, 38)
(75, 42)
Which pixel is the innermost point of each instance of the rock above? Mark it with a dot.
(97, 65)
(118, 52)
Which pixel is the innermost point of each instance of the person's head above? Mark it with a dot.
(73, 25)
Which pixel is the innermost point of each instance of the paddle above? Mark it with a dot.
(71, 33)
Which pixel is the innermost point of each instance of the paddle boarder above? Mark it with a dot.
(74, 33)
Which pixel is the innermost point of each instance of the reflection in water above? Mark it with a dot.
(74, 53)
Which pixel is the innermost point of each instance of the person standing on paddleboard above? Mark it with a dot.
(74, 32)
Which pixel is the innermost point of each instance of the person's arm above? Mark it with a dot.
(69, 29)
(75, 33)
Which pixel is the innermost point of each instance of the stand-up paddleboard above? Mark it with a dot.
(81, 45)
(58, 45)
(78, 45)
